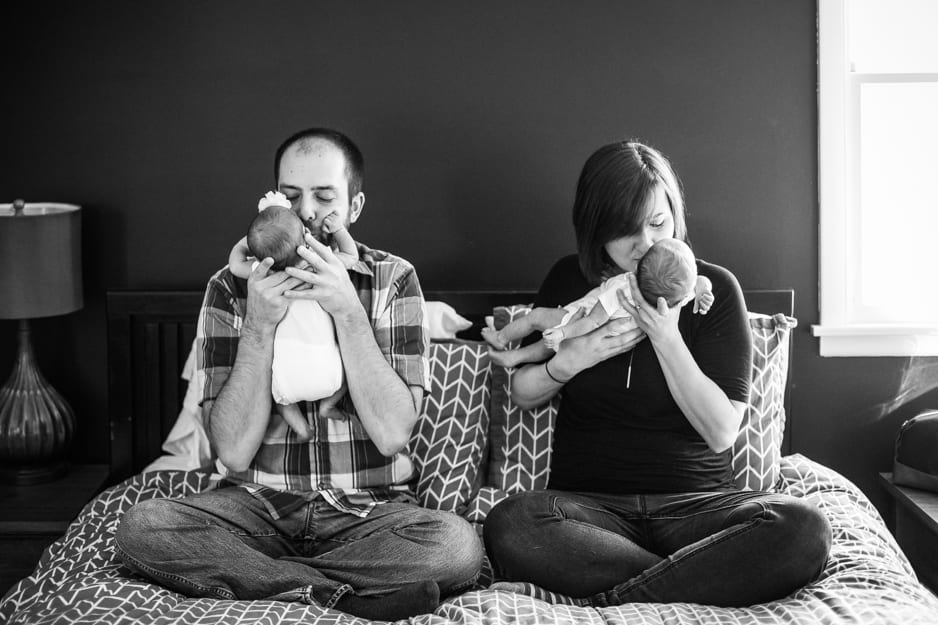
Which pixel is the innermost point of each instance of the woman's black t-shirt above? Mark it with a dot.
(620, 431)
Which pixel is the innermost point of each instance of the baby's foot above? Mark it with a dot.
(507, 358)
(331, 411)
(493, 338)
(553, 337)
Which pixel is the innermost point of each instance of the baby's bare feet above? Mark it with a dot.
(493, 338)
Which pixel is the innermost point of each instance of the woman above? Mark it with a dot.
(641, 504)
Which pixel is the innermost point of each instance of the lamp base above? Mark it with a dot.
(36, 423)
(25, 476)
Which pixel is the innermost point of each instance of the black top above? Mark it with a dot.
(613, 437)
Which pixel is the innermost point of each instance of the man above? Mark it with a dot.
(330, 521)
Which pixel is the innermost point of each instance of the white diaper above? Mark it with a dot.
(307, 364)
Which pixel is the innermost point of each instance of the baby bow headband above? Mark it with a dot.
(273, 198)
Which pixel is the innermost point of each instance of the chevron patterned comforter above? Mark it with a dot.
(79, 580)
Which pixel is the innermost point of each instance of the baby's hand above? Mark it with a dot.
(331, 223)
(703, 297)
(553, 337)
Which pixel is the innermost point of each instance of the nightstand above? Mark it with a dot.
(33, 517)
(916, 515)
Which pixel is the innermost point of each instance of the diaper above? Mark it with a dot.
(307, 365)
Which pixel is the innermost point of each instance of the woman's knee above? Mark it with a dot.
(508, 524)
(802, 526)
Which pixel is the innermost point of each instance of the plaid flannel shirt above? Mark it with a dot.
(340, 463)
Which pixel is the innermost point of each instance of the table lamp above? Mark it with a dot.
(40, 276)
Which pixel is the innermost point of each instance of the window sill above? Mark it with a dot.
(877, 340)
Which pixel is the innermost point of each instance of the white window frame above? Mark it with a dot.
(838, 124)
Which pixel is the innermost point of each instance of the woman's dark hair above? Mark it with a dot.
(612, 195)
(354, 160)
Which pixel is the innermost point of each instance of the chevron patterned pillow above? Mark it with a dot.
(758, 448)
(519, 440)
(448, 442)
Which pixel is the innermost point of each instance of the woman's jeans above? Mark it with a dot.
(732, 548)
(224, 544)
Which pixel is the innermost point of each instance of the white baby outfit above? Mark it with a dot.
(606, 295)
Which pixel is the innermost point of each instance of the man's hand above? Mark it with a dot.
(328, 280)
(266, 303)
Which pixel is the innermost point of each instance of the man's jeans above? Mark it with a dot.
(728, 548)
(224, 544)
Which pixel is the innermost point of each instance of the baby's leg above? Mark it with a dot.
(534, 352)
(293, 416)
(327, 407)
(538, 319)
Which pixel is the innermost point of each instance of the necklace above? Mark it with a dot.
(628, 376)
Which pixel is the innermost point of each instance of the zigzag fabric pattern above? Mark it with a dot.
(448, 443)
(520, 440)
(758, 448)
(80, 581)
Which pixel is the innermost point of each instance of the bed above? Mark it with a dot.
(79, 580)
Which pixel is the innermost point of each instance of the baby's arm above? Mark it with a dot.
(703, 295)
(240, 260)
(535, 352)
(346, 250)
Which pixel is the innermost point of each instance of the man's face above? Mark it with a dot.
(312, 176)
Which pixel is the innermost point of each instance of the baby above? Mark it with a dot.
(307, 365)
(668, 269)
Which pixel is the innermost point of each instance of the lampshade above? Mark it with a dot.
(40, 259)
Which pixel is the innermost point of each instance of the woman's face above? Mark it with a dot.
(625, 252)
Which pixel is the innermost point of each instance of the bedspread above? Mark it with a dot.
(79, 579)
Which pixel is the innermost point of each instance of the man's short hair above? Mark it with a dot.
(354, 160)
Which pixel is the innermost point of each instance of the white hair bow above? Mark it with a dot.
(273, 198)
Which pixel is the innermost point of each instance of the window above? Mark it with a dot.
(878, 134)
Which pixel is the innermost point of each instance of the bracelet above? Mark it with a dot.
(547, 370)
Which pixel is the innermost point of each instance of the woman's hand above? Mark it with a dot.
(658, 322)
(608, 340)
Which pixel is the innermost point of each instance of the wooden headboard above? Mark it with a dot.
(149, 334)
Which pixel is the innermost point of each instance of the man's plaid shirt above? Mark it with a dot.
(339, 463)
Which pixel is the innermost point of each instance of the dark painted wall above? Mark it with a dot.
(160, 119)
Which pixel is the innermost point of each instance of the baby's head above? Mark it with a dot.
(276, 232)
(668, 269)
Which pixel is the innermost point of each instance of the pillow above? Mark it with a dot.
(444, 321)
(448, 442)
(519, 440)
(186, 446)
(758, 448)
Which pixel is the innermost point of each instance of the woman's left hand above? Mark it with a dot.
(658, 322)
